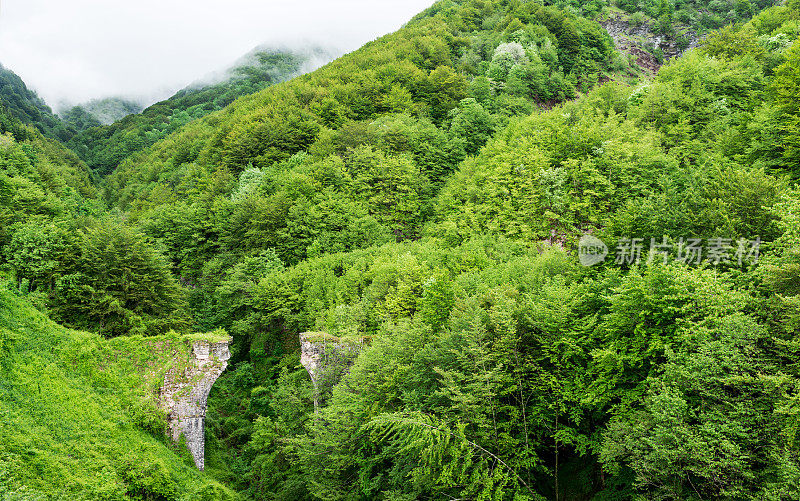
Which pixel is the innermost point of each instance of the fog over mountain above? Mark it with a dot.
(76, 51)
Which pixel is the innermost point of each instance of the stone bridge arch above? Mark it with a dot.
(185, 390)
(327, 359)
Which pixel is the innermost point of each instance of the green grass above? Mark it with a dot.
(324, 337)
(320, 337)
(216, 336)
(78, 414)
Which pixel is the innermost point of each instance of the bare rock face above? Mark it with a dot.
(185, 393)
(628, 38)
(327, 359)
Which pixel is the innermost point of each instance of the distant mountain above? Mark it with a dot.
(99, 112)
(105, 147)
(26, 106)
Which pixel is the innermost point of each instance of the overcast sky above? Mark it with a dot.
(76, 50)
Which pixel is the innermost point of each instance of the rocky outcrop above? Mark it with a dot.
(635, 39)
(327, 359)
(185, 392)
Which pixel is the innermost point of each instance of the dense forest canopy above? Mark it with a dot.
(427, 197)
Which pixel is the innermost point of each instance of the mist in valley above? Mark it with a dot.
(76, 52)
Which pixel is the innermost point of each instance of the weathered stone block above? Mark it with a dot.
(327, 360)
(185, 393)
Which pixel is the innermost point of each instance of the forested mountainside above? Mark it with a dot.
(498, 369)
(568, 279)
(40, 168)
(671, 18)
(383, 127)
(103, 148)
(26, 106)
(61, 241)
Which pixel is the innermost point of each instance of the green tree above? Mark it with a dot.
(471, 122)
(444, 90)
(781, 268)
(706, 424)
(787, 89)
(40, 252)
(122, 285)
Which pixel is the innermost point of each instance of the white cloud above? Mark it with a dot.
(82, 49)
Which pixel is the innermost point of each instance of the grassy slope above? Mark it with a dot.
(78, 417)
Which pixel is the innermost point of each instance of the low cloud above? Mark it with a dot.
(74, 51)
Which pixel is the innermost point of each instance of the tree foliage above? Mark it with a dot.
(424, 197)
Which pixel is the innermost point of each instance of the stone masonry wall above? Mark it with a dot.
(185, 393)
(327, 359)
